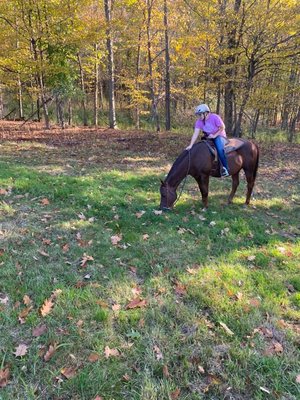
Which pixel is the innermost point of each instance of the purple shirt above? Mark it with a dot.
(211, 125)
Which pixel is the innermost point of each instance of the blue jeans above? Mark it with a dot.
(219, 142)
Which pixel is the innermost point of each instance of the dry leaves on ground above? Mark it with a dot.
(111, 352)
(136, 303)
(4, 377)
(21, 350)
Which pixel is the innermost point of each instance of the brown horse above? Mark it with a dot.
(199, 163)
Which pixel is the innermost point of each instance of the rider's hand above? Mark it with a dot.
(189, 147)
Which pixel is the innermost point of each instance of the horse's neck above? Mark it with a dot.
(177, 173)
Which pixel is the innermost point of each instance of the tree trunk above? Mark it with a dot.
(96, 87)
(110, 65)
(167, 66)
(20, 99)
(70, 113)
(60, 112)
(218, 99)
(150, 65)
(255, 123)
(230, 74)
(137, 84)
(1, 104)
(292, 126)
(82, 83)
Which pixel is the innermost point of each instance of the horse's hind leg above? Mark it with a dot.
(235, 184)
(250, 184)
(203, 182)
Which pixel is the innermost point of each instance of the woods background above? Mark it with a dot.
(147, 63)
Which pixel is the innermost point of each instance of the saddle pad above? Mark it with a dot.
(233, 144)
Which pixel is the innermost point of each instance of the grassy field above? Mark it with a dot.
(103, 297)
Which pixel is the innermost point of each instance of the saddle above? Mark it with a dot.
(230, 145)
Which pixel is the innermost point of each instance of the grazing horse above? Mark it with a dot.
(199, 163)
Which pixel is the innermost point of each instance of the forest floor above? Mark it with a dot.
(102, 296)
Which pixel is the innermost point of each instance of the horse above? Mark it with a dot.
(199, 163)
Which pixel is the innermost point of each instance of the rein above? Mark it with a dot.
(185, 178)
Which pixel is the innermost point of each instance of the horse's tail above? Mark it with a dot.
(257, 161)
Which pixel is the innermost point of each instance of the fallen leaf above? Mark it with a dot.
(116, 239)
(201, 369)
(4, 377)
(180, 289)
(116, 307)
(39, 330)
(175, 394)
(166, 372)
(140, 214)
(158, 353)
(68, 372)
(136, 291)
(93, 357)
(278, 347)
(126, 377)
(136, 303)
(27, 300)
(264, 390)
(254, 302)
(251, 258)
(192, 271)
(111, 352)
(239, 296)
(298, 378)
(227, 330)
(98, 398)
(66, 247)
(46, 307)
(23, 314)
(4, 299)
(45, 202)
(145, 236)
(157, 212)
(43, 253)
(50, 352)
(21, 350)
(85, 258)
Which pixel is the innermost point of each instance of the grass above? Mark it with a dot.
(218, 290)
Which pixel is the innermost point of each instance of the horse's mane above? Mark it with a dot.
(177, 162)
(179, 159)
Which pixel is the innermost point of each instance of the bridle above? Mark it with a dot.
(182, 187)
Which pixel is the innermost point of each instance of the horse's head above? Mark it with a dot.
(168, 196)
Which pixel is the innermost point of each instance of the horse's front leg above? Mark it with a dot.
(203, 182)
(235, 184)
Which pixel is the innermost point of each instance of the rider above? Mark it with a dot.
(213, 128)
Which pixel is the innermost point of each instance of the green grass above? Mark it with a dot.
(242, 270)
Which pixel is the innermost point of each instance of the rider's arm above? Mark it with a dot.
(194, 138)
(221, 128)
